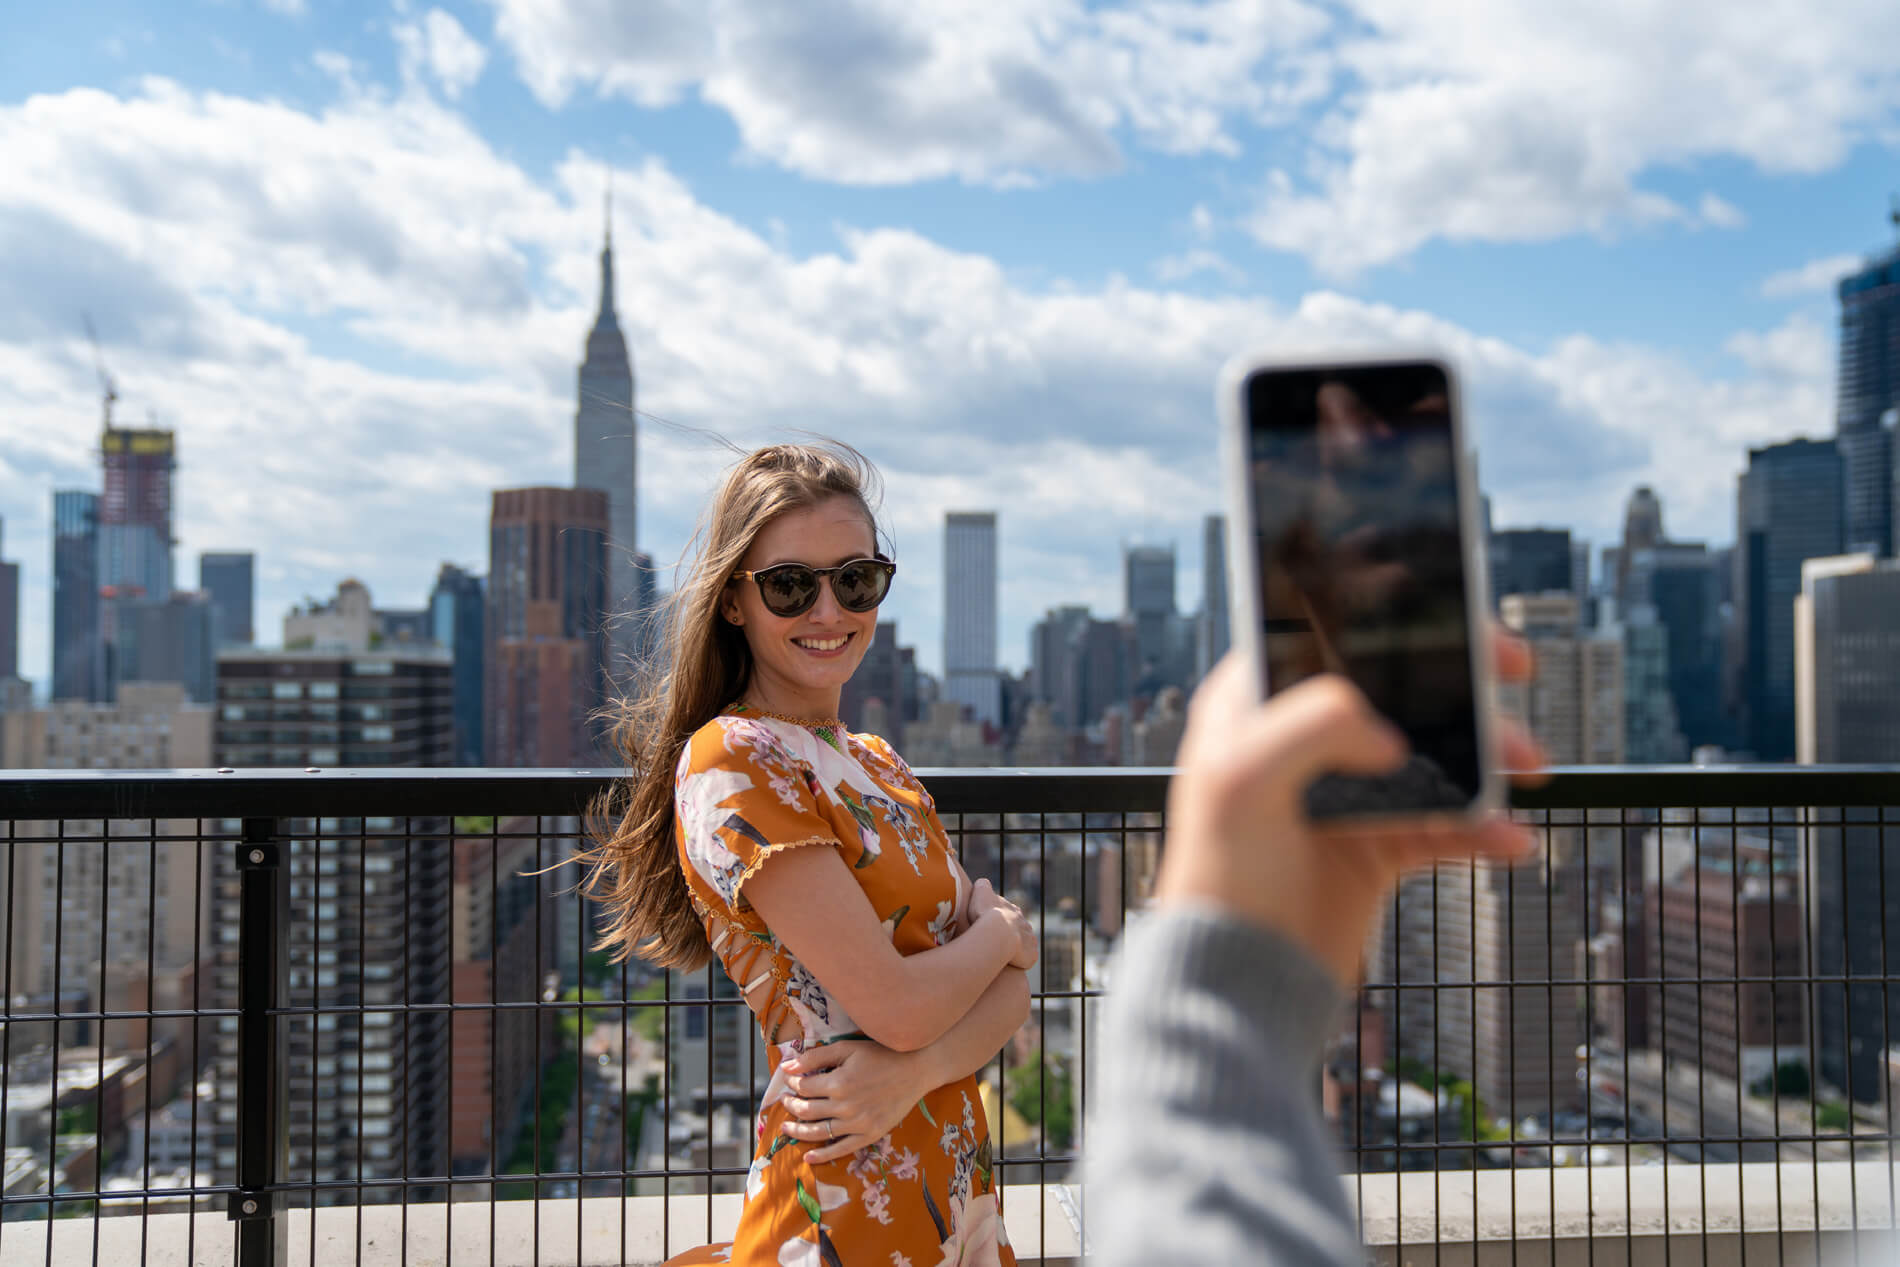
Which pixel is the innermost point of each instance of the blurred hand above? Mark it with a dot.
(1238, 835)
(849, 1095)
(986, 903)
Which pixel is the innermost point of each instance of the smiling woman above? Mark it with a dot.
(811, 861)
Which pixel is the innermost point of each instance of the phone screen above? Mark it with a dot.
(1354, 481)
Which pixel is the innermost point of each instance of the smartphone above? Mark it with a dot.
(1353, 548)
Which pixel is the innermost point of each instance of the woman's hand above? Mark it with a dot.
(986, 903)
(849, 1095)
(1238, 835)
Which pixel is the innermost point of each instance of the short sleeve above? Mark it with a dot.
(741, 794)
(895, 768)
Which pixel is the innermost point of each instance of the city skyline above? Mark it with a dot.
(383, 324)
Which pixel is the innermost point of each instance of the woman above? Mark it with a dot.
(812, 862)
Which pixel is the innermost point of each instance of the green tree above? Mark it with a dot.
(1042, 1090)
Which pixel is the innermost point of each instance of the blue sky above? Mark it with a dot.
(348, 251)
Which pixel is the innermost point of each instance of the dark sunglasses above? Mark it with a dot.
(790, 589)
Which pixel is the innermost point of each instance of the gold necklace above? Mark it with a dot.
(823, 723)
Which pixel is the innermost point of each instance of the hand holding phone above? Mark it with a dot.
(1353, 551)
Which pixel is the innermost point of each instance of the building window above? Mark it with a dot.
(286, 690)
(323, 690)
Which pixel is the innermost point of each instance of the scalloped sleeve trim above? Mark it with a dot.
(772, 850)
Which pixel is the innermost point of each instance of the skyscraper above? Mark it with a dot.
(1679, 580)
(1148, 590)
(1847, 640)
(546, 660)
(135, 511)
(160, 640)
(969, 614)
(1642, 530)
(458, 621)
(1214, 636)
(78, 652)
(1847, 661)
(384, 941)
(1529, 561)
(229, 578)
(880, 677)
(1574, 703)
(605, 442)
(9, 620)
(1869, 385)
(1787, 510)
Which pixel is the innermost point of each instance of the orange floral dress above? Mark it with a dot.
(747, 787)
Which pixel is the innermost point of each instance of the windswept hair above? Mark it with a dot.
(702, 666)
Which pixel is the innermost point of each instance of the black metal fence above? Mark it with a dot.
(358, 1012)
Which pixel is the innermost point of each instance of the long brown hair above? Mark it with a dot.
(705, 664)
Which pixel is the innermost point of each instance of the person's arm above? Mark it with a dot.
(1206, 1143)
(848, 1095)
(809, 899)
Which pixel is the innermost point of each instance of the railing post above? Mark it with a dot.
(262, 1052)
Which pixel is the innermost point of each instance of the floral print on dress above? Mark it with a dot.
(748, 787)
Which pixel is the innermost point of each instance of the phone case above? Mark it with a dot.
(1243, 568)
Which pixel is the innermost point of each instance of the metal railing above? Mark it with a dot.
(362, 996)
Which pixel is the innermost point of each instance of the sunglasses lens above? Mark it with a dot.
(860, 586)
(788, 590)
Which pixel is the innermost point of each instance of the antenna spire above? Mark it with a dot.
(108, 391)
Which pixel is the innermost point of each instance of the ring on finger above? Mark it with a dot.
(831, 1128)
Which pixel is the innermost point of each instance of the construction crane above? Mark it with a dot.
(108, 392)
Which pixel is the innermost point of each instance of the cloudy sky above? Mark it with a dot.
(349, 251)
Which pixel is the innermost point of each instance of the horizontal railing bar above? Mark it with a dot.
(424, 793)
(120, 1194)
(174, 1014)
(1538, 983)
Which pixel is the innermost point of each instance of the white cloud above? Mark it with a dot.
(1174, 268)
(440, 45)
(363, 319)
(1483, 121)
(1813, 277)
(1800, 349)
(1718, 212)
(891, 91)
(1493, 120)
(454, 55)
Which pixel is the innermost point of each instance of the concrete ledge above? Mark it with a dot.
(1610, 1201)
(1717, 1215)
(587, 1232)
(1714, 1215)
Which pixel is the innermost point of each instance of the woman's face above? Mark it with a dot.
(801, 663)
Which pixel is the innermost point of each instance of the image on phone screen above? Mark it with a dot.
(1354, 482)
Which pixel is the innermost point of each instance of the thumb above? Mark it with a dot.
(1321, 726)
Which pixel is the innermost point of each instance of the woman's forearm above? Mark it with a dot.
(811, 902)
(944, 984)
(982, 1031)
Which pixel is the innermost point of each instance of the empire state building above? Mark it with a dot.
(604, 458)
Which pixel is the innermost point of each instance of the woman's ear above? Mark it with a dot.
(729, 608)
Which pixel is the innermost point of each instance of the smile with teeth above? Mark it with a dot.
(823, 644)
